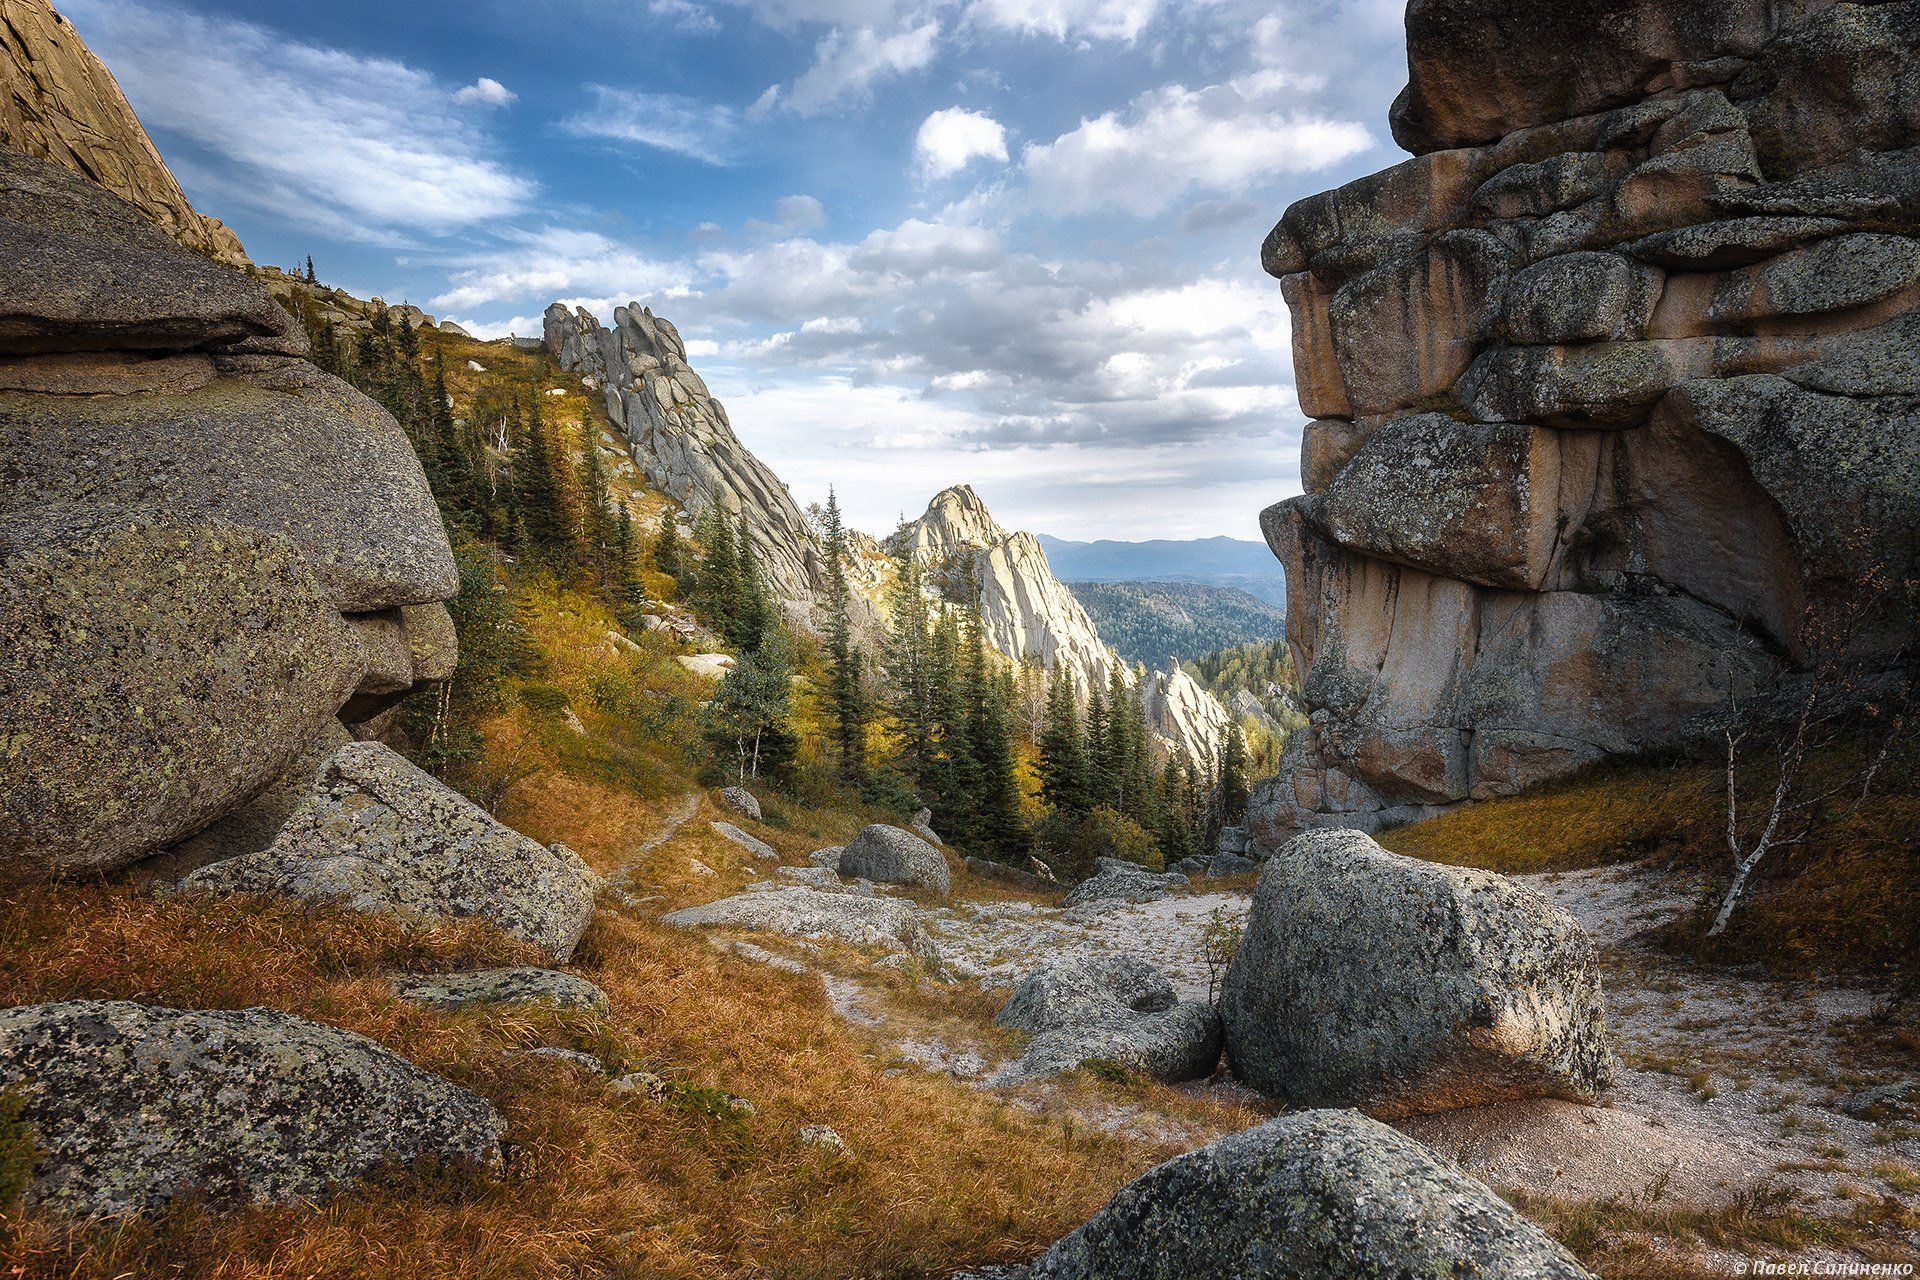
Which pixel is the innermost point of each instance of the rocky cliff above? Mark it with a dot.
(58, 102)
(1029, 613)
(1610, 382)
(681, 437)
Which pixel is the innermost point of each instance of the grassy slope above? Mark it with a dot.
(938, 1174)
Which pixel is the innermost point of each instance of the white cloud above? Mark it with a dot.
(556, 261)
(802, 213)
(1173, 140)
(666, 121)
(486, 91)
(1062, 19)
(358, 147)
(916, 248)
(848, 63)
(949, 140)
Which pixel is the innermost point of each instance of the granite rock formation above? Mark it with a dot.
(1030, 614)
(1316, 1195)
(889, 923)
(681, 437)
(60, 103)
(1365, 979)
(132, 1106)
(1609, 383)
(209, 550)
(1115, 1010)
(892, 856)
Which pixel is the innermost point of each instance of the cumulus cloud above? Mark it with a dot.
(686, 126)
(1174, 140)
(555, 262)
(916, 249)
(486, 92)
(802, 213)
(358, 147)
(1064, 19)
(951, 139)
(849, 63)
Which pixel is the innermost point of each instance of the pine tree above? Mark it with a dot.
(1234, 789)
(846, 700)
(950, 782)
(995, 824)
(754, 611)
(1176, 818)
(749, 719)
(1063, 760)
(1099, 778)
(626, 589)
(669, 551)
(310, 278)
(716, 582)
(541, 504)
(596, 521)
(908, 666)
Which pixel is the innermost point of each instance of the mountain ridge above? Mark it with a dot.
(1218, 561)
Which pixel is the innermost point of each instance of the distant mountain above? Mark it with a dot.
(1152, 621)
(1220, 562)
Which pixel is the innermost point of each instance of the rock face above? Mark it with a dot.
(377, 834)
(892, 856)
(1110, 1009)
(815, 913)
(1610, 383)
(682, 439)
(58, 102)
(1317, 1195)
(208, 549)
(1030, 614)
(132, 1106)
(1370, 980)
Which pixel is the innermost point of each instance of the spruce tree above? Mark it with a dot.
(1063, 760)
(846, 700)
(596, 521)
(908, 666)
(1234, 788)
(950, 782)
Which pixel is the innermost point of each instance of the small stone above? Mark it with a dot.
(741, 801)
(823, 1136)
(758, 848)
(519, 985)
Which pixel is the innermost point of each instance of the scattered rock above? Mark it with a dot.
(815, 877)
(1109, 1009)
(825, 1137)
(1399, 986)
(377, 834)
(711, 665)
(1317, 1195)
(892, 856)
(758, 848)
(518, 985)
(700, 868)
(1883, 1102)
(1231, 864)
(987, 869)
(809, 913)
(133, 1106)
(922, 826)
(644, 1083)
(569, 1057)
(759, 955)
(742, 801)
(1117, 881)
(828, 858)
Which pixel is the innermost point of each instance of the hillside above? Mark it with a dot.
(1152, 621)
(1218, 561)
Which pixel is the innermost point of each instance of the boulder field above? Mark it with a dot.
(1610, 383)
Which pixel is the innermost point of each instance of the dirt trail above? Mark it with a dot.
(682, 813)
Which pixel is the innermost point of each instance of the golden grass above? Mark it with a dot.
(938, 1174)
(1846, 899)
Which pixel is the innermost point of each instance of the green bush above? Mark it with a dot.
(1069, 845)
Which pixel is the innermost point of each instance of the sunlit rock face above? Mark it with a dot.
(682, 439)
(1610, 383)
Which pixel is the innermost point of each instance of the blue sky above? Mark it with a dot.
(911, 242)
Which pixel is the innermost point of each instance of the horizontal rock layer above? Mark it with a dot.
(1611, 384)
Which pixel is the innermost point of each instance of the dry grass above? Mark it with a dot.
(938, 1175)
(1849, 898)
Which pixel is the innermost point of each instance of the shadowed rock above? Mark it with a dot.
(1109, 1009)
(132, 1106)
(889, 855)
(1371, 980)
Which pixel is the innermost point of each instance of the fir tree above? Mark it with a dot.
(1063, 760)
(310, 278)
(909, 672)
(1234, 788)
(846, 699)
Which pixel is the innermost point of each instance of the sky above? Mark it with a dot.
(910, 243)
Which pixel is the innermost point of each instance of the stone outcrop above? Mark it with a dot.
(521, 984)
(1317, 1195)
(1030, 614)
(375, 833)
(60, 103)
(1610, 383)
(889, 923)
(892, 856)
(209, 550)
(1369, 980)
(681, 438)
(132, 1106)
(1114, 1010)
(1117, 880)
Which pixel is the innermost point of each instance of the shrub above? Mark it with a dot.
(1070, 845)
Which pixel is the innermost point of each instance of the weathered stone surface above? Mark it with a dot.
(1836, 274)
(59, 103)
(521, 984)
(1737, 242)
(812, 913)
(828, 857)
(133, 1106)
(84, 271)
(1109, 1009)
(1116, 881)
(752, 844)
(155, 673)
(1372, 980)
(287, 450)
(741, 801)
(1318, 1195)
(892, 856)
(1581, 297)
(1018, 877)
(377, 834)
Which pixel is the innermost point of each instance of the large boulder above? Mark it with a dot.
(1109, 1009)
(892, 856)
(889, 923)
(1116, 880)
(131, 1106)
(375, 833)
(155, 672)
(1371, 980)
(1318, 1195)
